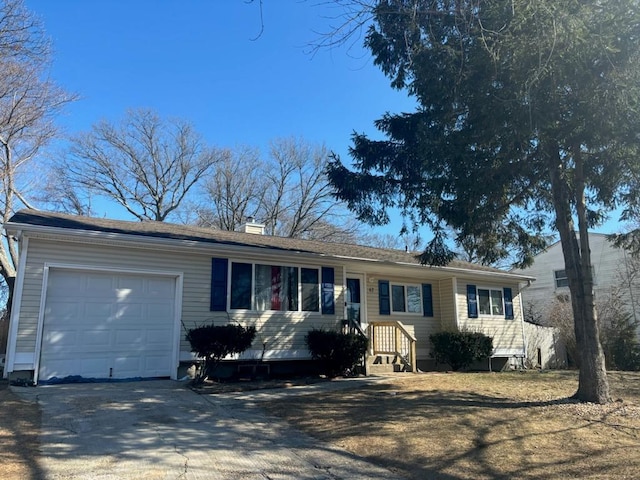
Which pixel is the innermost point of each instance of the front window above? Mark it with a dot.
(406, 298)
(241, 286)
(310, 289)
(490, 302)
(274, 287)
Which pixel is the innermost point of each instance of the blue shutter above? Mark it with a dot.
(472, 301)
(219, 268)
(328, 302)
(427, 300)
(508, 304)
(384, 298)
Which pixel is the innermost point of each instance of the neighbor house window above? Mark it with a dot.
(561, 278)
(274, 287)
(490, 302)
(406, 298)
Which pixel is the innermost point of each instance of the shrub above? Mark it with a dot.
(338, 353)
(460, 349)
(214, 342)
(620, 343)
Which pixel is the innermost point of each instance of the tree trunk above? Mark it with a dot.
(593, 385)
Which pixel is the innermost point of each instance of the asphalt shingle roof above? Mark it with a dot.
(208, 235)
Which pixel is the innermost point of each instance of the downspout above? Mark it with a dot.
(524, 335)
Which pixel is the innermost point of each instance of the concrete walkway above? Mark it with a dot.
(162, 430)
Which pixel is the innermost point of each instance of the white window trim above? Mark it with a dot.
(406, 298)
(253, 309)
(490, 315)
(556, 278)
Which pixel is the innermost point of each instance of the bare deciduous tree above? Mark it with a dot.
(287, 191)
(299, 201)
(145, 163)
(233, 192)
(28, 103)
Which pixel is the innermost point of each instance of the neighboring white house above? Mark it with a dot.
(99, 298)
(613, 268)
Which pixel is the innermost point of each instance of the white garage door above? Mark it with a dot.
(107, 325)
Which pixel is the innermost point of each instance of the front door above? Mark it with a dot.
(354, 299)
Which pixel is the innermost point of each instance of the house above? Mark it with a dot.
(615, 273)
(100, 298)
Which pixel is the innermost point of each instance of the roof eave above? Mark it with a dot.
(203, 246)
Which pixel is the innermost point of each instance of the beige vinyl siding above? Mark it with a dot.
(447, 302)
(417, 324)
(282, 331)
(610, 266)
(507, 334)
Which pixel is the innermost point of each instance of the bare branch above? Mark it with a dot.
(146, 164)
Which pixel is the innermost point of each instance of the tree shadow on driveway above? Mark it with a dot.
(19, 422)
(161, 429)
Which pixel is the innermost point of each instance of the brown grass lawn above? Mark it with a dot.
(479, 425)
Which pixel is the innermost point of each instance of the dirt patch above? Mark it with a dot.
(19, 429)
(479, 426)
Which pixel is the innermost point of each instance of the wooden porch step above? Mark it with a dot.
(387, 364)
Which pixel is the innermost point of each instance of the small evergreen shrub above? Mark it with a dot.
(214, 342)
(620, 344)
(460, 349)
(338, 353)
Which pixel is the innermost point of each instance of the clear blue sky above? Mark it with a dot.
(196, 59)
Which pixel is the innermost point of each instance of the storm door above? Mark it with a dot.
(355, 310)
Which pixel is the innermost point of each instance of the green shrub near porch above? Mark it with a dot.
(460, 349)
(337, 353)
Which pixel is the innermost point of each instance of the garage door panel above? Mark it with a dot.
(95, 367)
(157, 364)
(129, 338)
(99, 325)
(97, 284)
(159, 289)
(95, 338)
(127, 366)
(62, 338)
(94, 309)
(158, 337)
(129, 313)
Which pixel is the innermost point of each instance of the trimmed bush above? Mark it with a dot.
(214, 342)
(460, 349)
(338, 353)
(620, 343)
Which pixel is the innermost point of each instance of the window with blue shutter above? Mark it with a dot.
(472, 301)
(219, 268)
(384, 297)
(427, 300)
(508, 304)
(328, 282)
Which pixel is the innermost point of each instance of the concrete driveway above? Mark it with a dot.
(162, 430)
